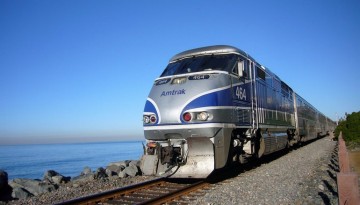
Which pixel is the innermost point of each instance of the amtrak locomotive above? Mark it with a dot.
(215, 105)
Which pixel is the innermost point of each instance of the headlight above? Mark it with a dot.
(146, 119)
(203, 116)
(196, 116)
(180, 80)
(149, 119)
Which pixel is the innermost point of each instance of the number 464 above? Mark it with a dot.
(240, 93)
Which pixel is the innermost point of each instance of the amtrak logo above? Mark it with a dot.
(173, 92)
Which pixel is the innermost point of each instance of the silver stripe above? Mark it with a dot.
(189, 126)
(217, 108)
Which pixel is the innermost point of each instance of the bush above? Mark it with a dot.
(350, 129)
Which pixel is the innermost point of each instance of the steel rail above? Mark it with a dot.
(112, 194)
(176, 194)
(157, 191)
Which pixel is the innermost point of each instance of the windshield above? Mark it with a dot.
(201, 63)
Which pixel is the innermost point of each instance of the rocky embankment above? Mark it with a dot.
(55, 188)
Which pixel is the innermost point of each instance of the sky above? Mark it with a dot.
(81, 70)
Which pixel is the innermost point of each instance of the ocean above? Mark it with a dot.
(31, 161)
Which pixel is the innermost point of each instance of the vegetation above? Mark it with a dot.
(350, 129)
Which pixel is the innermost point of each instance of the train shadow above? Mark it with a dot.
(236, 169)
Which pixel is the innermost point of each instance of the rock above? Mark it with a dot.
(109, 172)
(86, 171)
(84, 178)
(35, 187)
(120, 164)
(131, 170)
(5, 189)
(54, 177)
(115, 168)
(127, 162)
(20, 193)
(100, 173)
(148, 164)
(49, 173)
(321, 187)
(135, 162)
(122, 174)
(3, 180)
(57, 179)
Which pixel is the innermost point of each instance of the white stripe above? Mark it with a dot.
(190, 126)
(148, 113)
(156, 108)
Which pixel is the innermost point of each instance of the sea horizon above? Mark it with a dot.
(75, 142)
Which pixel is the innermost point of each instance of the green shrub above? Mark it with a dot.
(350, 129)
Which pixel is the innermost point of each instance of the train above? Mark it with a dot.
(216, 105)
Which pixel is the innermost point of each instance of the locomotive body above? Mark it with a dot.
(215, 105)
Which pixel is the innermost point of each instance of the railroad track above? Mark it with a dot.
(158, 191)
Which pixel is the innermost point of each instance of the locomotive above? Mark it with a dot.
(216, 105)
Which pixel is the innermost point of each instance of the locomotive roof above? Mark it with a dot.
(218, 49)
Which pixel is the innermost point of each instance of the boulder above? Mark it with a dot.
(34, 187)
(20, 193)
(113, 170)
(54, 177)
(100, 173)
(84, 178)
(131, 170)
(3, 180)
(127, 162)
(122, 174)
(148, 164)
(110, 173)
(135, 162)
(58, 179)
(86, 171)
(5, 189)
(120, 163)
(48, 174)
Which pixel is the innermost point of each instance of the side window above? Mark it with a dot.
(236, 69)
(246, 69)
(260, 73)
(241, 68)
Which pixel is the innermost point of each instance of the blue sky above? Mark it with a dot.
(81, 70)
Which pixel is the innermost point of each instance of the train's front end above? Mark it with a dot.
(187, 120)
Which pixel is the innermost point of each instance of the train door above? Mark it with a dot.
(241, 92)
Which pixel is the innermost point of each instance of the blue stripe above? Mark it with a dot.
(149, 107)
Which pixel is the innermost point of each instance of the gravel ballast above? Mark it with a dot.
(303, 176)
(306, 175)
